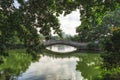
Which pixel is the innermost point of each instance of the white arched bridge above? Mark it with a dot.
(78, 45)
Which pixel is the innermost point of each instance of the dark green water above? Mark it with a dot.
(50, 66)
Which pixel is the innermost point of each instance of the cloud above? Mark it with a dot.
(70, 22)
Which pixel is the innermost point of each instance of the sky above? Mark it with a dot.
(70, 22)
(16, 4)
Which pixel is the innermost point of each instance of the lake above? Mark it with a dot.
(51, 65)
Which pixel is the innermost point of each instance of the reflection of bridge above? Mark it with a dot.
(78, 45)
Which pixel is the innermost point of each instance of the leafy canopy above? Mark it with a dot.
(30, 15)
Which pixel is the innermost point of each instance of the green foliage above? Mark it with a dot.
(113, 74)
(111, 46)
(111, 42)
(22, 22)
(17, 62)
(92, 14)
(33, 14)
(75, 38)
(111, 57)
(94, 46)
(89, 65)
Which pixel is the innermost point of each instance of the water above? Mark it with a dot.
(49, 68)
(50, 65)
(61, 48)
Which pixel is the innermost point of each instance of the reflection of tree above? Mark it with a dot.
(18, 62)
(14, 65)
(88, 66)
(58, 55)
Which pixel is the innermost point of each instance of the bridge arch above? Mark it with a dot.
(77, 45)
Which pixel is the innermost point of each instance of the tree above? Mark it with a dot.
(24, 21)
(111, 40)
(92, 13)
(42, 14)
(111, 46)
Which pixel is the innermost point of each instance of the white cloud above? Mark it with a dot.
(70, 22)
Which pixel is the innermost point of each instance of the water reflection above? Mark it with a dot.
(61, 48)
(49, 68)
(88, 65)
(14, 65)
